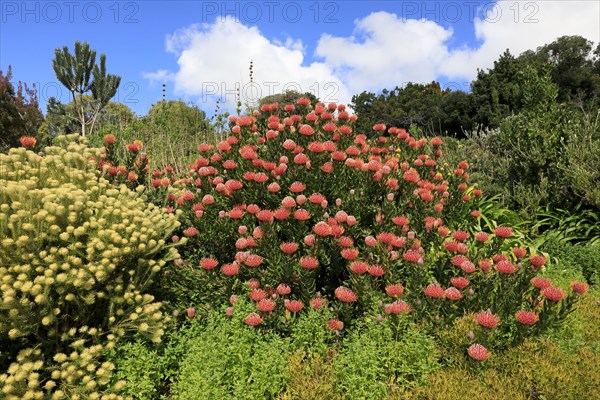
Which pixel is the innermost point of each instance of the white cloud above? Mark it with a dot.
(520, 26)
(384, 51)
(392, 52)
(160, 76)
(214, 60)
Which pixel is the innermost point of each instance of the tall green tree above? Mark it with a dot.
(20, 114)
(80, 74)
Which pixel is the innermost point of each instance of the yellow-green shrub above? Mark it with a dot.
(311, 378)
(533, 370)
(77, 255)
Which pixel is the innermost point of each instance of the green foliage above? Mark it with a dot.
(377, 355)
(80, 74)
(427, 106)
(311, 334)
(64, 118)
(575, 261)
(311, 378)
(229, 360)
(77, 258)
(20, 114)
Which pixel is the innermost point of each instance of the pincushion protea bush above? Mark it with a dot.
(305, 212)
(77, 256)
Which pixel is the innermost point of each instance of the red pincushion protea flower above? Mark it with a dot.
(370, 241)
(527, 318)
(411, 175)
(451, 246)
(208, 263)
(301, 214)
(288, 247)
(485, 264)
(306, 130)
(537, 261)
(309, 240)
(265, 305)
(316, 198)
(345, 295)
(236, 213)
(478, 352)
(579, 288)
(376, 271)
(322, 229)
(459, 282)
(434, 290)
(288, 202)
(258, 295)
(317, 302)
(458, 259)
(253, 260)
(109, 139)
(553, 293)
(289, 144)
(349, 254)
(505, 267)
(283, 289)
(191, 231)
(400, 220)
(487, 319)
(453, 294)
(436, 141)
(336, 325)
(443, 231)
(253, 319)
(281, 213)
(398, 307)
(265, 216)
(503, 231)
(519, 252)
(482, 237)
(309, 262)
(467, 266)
(540, 282)
(230, 269)
(359, 267)
(395, 290)
(345, 241)
(253, 283)
(460, 235)
(294, 305)
(412, 256)
(297, 187)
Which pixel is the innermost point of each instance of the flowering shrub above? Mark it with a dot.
(77, 255)
(301, 212)
(124, 163)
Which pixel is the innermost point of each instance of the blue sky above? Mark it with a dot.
(202, 49)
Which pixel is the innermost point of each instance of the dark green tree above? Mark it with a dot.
(573, 71)
(80, 74)
(20, 114)
(426, 106)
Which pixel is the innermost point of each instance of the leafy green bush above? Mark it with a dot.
(77, 257)
(229, 360)
(378, 355)
(574, 261)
